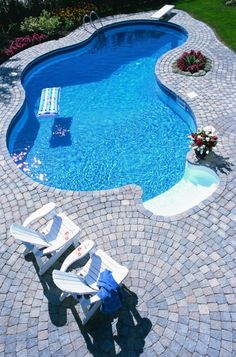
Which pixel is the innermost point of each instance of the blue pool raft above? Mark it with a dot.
(49, 101)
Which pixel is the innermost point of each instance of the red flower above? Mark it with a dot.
(20, 43)
(199, 142)
(191, 61)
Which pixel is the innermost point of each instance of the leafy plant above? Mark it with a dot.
(191, 61)
(46, 23)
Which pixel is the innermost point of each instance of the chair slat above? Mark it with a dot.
(97, 264)
(71, 283)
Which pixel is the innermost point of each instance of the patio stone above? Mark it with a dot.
(181, 269)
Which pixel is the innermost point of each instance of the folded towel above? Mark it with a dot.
(109, 293)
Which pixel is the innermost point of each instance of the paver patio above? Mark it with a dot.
(182, 280)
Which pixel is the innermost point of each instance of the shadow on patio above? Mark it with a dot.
(120, 334)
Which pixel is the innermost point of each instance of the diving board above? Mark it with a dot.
(49, 102)
(165, 10)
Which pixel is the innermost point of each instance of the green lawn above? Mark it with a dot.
(221, 18)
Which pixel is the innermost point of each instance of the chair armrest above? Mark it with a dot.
(28, 235)
(71, 283)
(77, 254)
(41, 212)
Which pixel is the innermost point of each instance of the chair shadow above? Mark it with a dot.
(57, 310)
(120, 334)
(9, 75)
(116, 335)
(217, 163)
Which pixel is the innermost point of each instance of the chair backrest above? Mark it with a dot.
(98, 262)
(28, 235)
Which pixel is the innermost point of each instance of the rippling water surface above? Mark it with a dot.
(113, 128)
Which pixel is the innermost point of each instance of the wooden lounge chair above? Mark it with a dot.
(58, 234)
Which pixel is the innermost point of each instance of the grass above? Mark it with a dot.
(221, 18)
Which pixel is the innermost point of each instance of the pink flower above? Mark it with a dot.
(20, 43)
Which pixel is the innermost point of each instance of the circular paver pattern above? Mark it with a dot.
(179, 298)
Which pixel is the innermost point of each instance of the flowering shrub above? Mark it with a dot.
(73, 16)
(20, 43)
(204, 140)
(192, 62)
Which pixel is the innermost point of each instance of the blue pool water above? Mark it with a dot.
(113, 128)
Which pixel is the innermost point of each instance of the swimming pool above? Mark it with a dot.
(114, 128)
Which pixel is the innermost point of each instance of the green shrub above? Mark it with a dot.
(70, 24)
(46, 23)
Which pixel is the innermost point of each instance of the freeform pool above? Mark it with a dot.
(113, 128)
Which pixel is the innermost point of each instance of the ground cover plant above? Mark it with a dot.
(192, 63)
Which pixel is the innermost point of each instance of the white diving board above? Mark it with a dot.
(165, 10)
(49, 102)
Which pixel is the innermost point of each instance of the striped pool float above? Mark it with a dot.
(49, 101)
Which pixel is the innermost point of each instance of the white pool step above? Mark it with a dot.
(197, 184)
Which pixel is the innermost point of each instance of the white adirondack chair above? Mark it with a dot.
(84, 283)
(58, 234)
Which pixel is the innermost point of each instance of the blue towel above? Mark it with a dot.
(109, 293)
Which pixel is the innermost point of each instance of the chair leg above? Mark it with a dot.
(38, 256)
(49, 262)
(53, 258)
(28, 249)
(87, 312)
(63, 296)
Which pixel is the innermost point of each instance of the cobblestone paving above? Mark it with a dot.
(180, 299)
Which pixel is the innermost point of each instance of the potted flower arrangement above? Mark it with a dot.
(192, 63)
(203, 141)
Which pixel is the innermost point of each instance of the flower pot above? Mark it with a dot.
(200, 155)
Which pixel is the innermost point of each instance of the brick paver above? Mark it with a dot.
(181, 297)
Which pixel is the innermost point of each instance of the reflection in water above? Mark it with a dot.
(61, 132)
